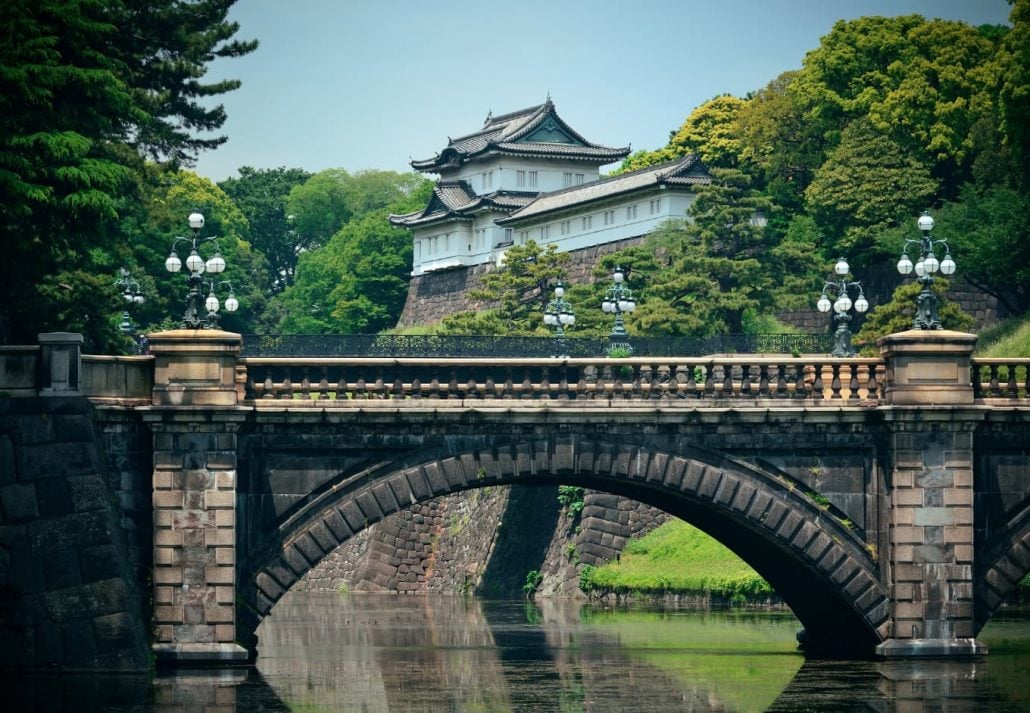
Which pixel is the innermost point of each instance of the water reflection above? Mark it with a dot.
(327, 652)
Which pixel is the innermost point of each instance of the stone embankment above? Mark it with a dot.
(68, 595)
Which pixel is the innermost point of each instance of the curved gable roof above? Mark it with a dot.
(687, 171)
(535, 131)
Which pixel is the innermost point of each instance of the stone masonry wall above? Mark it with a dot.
(434, 295)
(68, 597)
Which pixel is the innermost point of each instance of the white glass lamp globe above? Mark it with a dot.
(823, 305)
(138, 298)
(920, 269)
(173, 263)
(861, 304)
(842, 267)
(948, 265)
(845, 302)
(232, 304)
(631, 306)
(559, 291)
(211, 303)
(216, 264)
(607, 306)
(549, 319)
(931, 264)
(196, 221)
(925, 222)
(904, 265)
(618, 276)
(195, 263)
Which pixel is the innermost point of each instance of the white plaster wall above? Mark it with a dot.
(477, 243)
(550, 174)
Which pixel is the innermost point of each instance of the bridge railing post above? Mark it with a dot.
(194, 419)
(930, 493)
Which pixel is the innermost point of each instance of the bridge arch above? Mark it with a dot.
(1004, 564)
(813, 560)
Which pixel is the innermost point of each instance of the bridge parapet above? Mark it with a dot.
(693, 381)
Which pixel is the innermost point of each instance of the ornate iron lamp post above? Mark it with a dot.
(194, 318)
(925, 268)
(133, 295)
(617, 300)
(839, 286)
(558, 314)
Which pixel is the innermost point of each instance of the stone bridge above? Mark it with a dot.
(887, 500)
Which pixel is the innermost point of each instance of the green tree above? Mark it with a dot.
(868, 183)
(326, 201)
(989, 236)
(357, 282)
(261, 195)
(1014, 94)
(710, 131)
(80, 102)
(777, 140)
(520, 289)
(164, 47)
(719, 267)
(923, 84)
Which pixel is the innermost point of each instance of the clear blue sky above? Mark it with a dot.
(359, 84)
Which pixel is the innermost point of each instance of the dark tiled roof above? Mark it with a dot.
(687, 171)
(456, 200)
(503, 134)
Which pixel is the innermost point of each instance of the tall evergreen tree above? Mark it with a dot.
(87, 89)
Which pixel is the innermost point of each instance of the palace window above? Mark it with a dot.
(523, 237)
(566, 179)
(488, 180)
(631, 212)
(545, 232)
(532, 179)
(588, 222)
(520, 179)
(509, 234)
(609, 217)
(565, 227)
(656, 206)
(579, 179)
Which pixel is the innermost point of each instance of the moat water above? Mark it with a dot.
(370, 653)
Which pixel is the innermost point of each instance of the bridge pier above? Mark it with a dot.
(931, 418)
(194, 419)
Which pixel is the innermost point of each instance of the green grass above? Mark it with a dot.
(678, 557)
(1011, 338)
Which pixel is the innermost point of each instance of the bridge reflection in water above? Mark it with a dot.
(396, 653)
(377, 653)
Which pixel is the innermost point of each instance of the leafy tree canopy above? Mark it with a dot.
(87, 88)
(521, 290)
(357, 282)
(867, 184)
(924, 83)
(261, 195)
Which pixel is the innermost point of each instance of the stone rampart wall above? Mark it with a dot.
(68, 596)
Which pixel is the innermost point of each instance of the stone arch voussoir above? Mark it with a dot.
(1007, 564)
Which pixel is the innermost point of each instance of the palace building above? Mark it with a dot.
(528, 175)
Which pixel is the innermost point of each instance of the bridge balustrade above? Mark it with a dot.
(356, 381)
(995, 379)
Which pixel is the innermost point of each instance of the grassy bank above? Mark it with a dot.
(1011, 338)
(677, 557)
